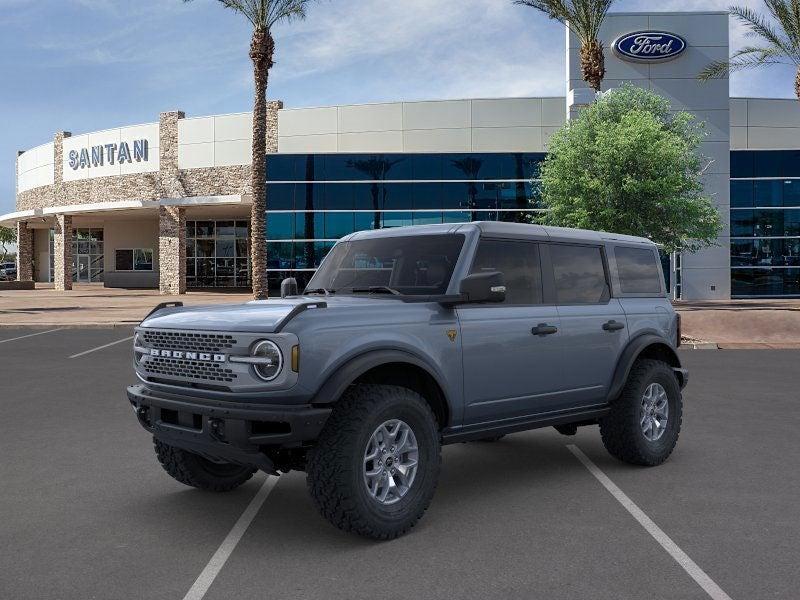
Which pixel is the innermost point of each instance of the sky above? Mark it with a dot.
(86, 65)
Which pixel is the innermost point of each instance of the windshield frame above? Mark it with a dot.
(325, 276)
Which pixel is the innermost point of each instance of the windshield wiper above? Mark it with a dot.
(376, 289)
(325, 291)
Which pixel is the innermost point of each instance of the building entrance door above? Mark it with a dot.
(83, 269)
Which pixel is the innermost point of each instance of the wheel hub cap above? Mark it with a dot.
(654, 413)
(390, 461)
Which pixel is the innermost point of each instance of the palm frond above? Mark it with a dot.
(745, 58)
(263, 14)
(784, 13)
(759, 26)
(583, 17)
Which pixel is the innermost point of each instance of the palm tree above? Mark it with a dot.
(780, 41)
(262, 15)
(584, 19)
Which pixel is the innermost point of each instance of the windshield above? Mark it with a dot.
(409, 265)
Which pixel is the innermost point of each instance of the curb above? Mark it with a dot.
(702, 346)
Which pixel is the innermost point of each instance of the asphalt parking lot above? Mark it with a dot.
(88, 513)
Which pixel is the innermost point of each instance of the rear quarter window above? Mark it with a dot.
(638, 271)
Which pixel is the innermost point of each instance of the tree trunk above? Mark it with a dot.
(797, 84)
(262, 48)
(593, 64)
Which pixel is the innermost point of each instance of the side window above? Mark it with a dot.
(638, 271)
(519, 264)
(580, 276)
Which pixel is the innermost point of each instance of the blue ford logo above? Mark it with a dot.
(649, 46)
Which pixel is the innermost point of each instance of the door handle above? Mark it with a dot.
(544, 329)
(613, 325)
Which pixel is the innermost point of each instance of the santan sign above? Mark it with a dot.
(649, 46)
(97, 156)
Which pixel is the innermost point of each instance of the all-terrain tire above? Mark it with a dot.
(194, 470)
(621, 430)
(335, 471)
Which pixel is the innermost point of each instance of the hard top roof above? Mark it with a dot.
(500, 229)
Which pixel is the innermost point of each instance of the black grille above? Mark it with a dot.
(193, 342)
(188, 369)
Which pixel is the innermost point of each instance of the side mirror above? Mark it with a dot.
(289, 287)
(483, 287)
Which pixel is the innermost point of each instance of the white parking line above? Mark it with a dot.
(214, 566)
(22, 337)
(688, 565)
(101, 347)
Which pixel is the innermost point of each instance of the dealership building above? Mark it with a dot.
(167, 204)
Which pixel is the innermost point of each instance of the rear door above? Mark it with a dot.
(511, 351)
(593, 323)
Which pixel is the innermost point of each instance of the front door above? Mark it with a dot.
(512, 350)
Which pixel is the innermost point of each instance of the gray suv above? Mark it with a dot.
(407, 339)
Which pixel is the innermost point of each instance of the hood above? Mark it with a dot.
(259, 316)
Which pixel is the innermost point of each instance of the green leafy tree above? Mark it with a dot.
(628, 165)
(584, 18)
(8, 236)
(778, 40)
(263, 15)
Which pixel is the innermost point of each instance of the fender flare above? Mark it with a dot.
(632, 351)
(345, 374)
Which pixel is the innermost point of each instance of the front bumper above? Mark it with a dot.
(228, 431)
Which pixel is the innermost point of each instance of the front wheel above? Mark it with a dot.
(376, 463)
(643, 425)
(195, 471)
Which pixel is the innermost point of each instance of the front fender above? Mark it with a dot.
(352, 368)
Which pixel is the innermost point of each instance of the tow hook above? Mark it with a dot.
(217, 429)
(143, 414)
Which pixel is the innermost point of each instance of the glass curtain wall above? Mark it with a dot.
(765, 223)
(315, 199)
(217, 254)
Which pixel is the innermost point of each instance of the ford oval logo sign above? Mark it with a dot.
(649, 46)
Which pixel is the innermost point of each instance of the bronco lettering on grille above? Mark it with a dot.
(202, 356)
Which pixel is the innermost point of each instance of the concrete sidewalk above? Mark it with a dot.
(92, 305)
(731, 324)
(739, 324)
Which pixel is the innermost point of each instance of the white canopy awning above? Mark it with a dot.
(11, 219)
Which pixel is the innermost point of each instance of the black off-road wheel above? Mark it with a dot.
(375, 467)
(194, 470)
(645, 421)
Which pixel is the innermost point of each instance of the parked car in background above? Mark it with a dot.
(8, 271)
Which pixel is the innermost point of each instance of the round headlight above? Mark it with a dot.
(272, 360)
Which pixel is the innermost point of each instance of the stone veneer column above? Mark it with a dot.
(62, 250)
(24, 252)
(273, 106)
(171, 185)
(171, 219)
(171, 250)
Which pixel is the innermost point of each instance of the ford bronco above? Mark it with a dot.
(407, 339)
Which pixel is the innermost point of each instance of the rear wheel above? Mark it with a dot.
(194, 470)
(645, 421)
(376, 463)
